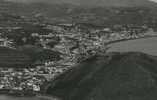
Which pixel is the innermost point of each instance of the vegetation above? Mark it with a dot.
(119, 76)
(39, 55)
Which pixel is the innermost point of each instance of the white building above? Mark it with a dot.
(5, 42)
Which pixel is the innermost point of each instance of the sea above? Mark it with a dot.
(145, 45)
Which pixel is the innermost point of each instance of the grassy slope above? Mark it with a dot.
(26, 56)
(39, 54)
(114, 77)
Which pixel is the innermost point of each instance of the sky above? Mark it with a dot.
(29, 0)
(48, 1)
(154, 0)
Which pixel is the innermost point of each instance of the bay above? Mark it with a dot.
(145, 45)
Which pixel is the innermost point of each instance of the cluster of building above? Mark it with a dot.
(75, 42)
(77, 39)
(27, 80)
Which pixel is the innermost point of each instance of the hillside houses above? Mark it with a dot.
(4, 42)
(59, 47)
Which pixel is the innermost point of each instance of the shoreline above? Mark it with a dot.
(121, 40)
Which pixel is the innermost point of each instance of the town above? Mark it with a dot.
(74, 42)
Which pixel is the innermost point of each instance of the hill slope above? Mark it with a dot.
(65, 9)
(126, 76)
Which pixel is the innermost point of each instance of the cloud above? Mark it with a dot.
(43, 1)
(89, 2)
(154, 0)
(29, 1)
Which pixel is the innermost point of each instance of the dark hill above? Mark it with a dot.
(26, 56)
(116, 76)
(64, 8)
(40, 55)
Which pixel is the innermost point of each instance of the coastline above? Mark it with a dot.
(121, 40)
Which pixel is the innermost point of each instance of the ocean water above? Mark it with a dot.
(145, 45)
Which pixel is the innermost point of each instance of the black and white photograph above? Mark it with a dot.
(78, 49)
